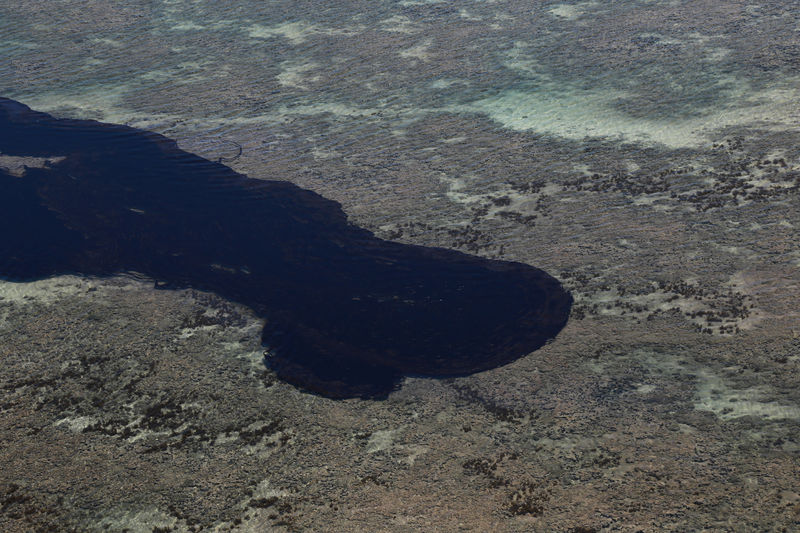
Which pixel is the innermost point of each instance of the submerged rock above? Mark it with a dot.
(347, 314)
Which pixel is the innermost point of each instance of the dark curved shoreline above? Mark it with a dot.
(347, 314)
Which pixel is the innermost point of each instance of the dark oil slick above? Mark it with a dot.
(347, 314)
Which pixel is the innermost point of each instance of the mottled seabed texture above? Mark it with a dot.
(644, 153)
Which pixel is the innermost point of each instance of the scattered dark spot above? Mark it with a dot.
(263, 503)
(528, 499)
(502, 201)
(498, 410)
(372, 478)
(254, 436)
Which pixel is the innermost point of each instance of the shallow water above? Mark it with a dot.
(597, 70)
(645, 153)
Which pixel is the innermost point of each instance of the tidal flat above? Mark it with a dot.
(644, 153)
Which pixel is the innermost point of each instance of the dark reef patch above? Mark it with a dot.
(347, 314)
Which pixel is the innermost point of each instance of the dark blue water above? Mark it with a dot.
(347, 314)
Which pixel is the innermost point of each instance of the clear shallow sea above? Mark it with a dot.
(645, 153)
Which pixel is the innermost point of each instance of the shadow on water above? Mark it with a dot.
(347, 314)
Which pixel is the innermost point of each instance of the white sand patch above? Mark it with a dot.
(187, 26)
(399, 24)
(92, 63)
(300, 31)
(659, 39)
(455, 188)
(571, 11)
(444, 83)
(146, 434)
(455, 140)
(520, 58)
(724, 313)
(184, 73)
(90, 102)
(580, 113)
(107, 42)
(294, 74)
(286, 113)
(744, 284)
(381, 440)
(187, 333)
(713, 392)
(255, 357)
(631, 166)
(466, 15)
(658, 201)
(582, 168)
(409, 3)
(17, 166)
(717, 54)
(575, 115)
(419, 51)
(549, 109)
(323, 154)
(111, 112)
(713, 54)
(255, 519)
(733, 250)
(265, 490)
(15, 44)
(498, 200)
(414, 452)
(139, 520)
(45, 291)
(226, 438)
(76, 424)
(294, 32)
(715, 395)
(268, 444)
(322, 108)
